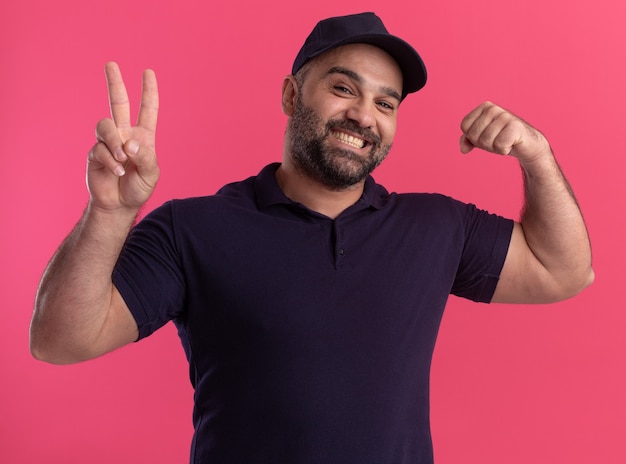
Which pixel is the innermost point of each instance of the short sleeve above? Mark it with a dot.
(148, 273)
(487, 239)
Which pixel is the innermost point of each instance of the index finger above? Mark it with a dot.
(118, 97)
(469, 120)
(149, 106)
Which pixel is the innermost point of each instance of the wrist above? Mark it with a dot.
(543, 158)
(115, 220)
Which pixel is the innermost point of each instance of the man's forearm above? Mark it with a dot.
(554, 226)
(74, 296)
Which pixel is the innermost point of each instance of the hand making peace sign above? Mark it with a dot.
(122, 168)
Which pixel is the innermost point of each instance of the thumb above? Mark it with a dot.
(465, 145)
(144, 160)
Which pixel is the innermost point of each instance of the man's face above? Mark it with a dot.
(344, 118)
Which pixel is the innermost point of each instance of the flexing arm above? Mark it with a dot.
(549, 258)
(78, 312)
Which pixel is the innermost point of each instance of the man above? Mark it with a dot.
(307, 298)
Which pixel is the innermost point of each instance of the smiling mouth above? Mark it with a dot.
(355, 142)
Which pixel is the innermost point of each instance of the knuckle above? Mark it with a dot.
(100, 153)
(103, 126)
(517, 125)
(494, 111)
(484, 139)
(501, 146)
(106, 131)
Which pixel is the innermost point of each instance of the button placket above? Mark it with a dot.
(340, 251)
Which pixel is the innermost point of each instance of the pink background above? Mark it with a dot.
(512, 384)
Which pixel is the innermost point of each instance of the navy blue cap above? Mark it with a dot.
(369, 29)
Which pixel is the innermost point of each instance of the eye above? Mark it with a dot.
(343, 89)
(386, 105)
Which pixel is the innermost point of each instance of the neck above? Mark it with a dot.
(314, 195)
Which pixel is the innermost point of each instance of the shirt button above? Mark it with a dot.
(341, 252)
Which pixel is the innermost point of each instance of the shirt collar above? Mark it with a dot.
(269, 193)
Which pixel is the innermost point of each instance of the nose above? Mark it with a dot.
(361, 113)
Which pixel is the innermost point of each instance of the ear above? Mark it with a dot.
(289, 93)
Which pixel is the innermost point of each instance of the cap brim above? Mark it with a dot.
(411, 64)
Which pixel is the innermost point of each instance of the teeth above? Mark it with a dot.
(350, 140)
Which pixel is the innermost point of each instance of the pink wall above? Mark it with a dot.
(510, 384)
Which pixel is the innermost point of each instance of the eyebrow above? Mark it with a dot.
(389, 91)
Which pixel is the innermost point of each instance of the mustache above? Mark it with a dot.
(352, 126)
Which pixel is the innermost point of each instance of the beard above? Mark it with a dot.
(336, 168)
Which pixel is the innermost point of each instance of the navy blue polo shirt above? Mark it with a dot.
(309, 339)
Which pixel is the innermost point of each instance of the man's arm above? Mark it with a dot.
(79, 314)
(549, 258)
